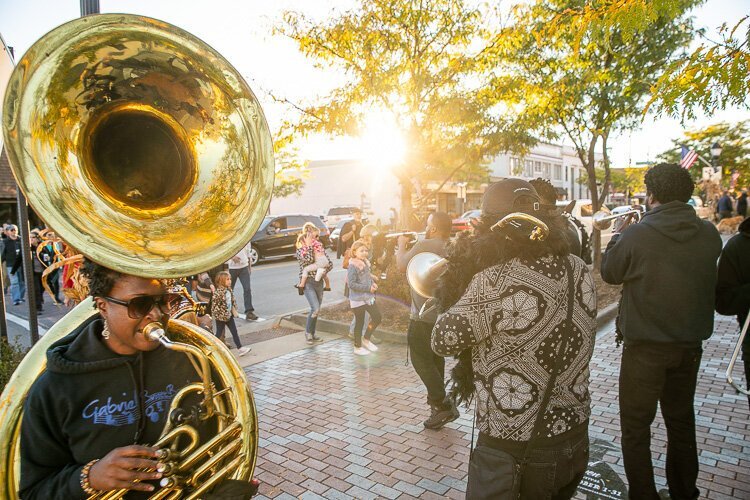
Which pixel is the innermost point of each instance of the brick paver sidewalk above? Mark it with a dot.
(335, 425)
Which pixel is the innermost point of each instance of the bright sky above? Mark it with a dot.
(241, 30)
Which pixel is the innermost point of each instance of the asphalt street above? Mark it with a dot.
(272, 284)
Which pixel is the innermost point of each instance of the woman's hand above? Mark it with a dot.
(373, 288)
(118, 469)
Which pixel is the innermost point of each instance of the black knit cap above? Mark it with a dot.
(510, 195)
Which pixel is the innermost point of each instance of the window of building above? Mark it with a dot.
(558, 172)
(547, 170)
(516, 166)
(537, 167)
(529, 168)
(566, 173)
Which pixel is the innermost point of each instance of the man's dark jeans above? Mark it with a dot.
(244, 276)
(661, 373)
(429, 366)
(553, 471)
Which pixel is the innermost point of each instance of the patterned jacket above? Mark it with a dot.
(513, 316)
(219, 307)
(306, 256)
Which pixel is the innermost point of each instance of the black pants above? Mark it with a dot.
(666, 374)
(359, 316)
(429, 366)
(553, 470)
(220, 325)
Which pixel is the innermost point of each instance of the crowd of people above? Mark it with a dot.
(516, 305)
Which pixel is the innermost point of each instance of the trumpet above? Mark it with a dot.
(603, 218)
(733, 359)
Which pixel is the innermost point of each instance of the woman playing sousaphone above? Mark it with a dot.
(105, 396)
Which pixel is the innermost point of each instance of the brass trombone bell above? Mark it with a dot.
(602, 219)
(423, 271)
(140, 144)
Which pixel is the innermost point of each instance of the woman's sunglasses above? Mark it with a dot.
(140, 306)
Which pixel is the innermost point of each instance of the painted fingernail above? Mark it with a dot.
(150, 488)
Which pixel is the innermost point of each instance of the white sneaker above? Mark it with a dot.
(361, 351)
(369, 345)
(244, 350)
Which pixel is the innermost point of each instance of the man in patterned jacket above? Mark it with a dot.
(522, 310)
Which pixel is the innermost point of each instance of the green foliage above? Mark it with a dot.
(10, 357)
(621, 180)
(735, 150)
(290, 171)
(714, 76)
(560, 80)
(395, 285)
(418, 61)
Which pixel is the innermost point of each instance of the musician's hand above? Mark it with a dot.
(621, 223)
(117, 470)
(403, 240)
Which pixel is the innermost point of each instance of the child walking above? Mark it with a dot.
(224, 309)
(362, 289)
(321, 264)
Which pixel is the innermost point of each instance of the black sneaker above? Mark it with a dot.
(308, 338)
(441, 415)
(251, 316)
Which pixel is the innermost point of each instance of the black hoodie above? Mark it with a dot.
(89, 401)
(733, 285)
(667, 266)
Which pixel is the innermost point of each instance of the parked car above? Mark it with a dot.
(701, 210)
(336, 214)
(583, 210)
(464, 222)
(277, 235)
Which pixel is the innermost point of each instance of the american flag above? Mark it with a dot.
(688, 157)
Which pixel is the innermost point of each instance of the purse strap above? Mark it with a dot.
(558, 364)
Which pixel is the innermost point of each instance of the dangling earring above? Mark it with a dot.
(105, 331)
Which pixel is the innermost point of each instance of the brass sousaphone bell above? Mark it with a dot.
(425, 269)
(145, 150)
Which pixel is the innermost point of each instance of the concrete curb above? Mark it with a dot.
(338, 328)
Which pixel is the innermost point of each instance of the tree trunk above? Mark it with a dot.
(407, 212)
(596, 235)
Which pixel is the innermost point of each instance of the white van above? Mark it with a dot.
(336, 214)
(583, 210)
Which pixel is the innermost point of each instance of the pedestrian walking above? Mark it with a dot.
(313, 290)
(393, 218)
(725, 206)
(50, 254)
(362, 289)
(429, 366)
(37, 270)
(521, 314)
(733, 285)
(349, 233)
(367, 237)
(224, 310)
(667, 267)
(321, 263)
(742, 204)
(11, 255)
(240, 267)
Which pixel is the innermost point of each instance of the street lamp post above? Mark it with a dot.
(715, 153)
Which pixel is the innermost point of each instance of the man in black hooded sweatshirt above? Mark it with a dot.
(667, 266)
(733, 284)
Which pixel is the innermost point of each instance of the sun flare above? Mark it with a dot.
(383, 143)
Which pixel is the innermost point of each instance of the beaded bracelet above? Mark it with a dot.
(85, 485)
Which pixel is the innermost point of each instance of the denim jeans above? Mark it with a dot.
(314, 295)
(552, 471)
(220, 325)
(429, 366)
(244, 276)
(17, 285)
(665, 374)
